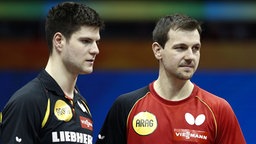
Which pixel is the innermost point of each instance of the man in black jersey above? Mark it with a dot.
(50, 109)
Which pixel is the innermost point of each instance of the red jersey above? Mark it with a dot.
(143, 117)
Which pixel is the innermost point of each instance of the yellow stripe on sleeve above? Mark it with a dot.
(47, 113)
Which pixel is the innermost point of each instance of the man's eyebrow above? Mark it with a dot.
(197, 44)
(88, 38)
(84, 37)
(179, 44)
(185, 45)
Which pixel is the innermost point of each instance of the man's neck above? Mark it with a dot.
(173, 91)
(64, 78)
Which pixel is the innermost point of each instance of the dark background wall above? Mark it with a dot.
(126, 62)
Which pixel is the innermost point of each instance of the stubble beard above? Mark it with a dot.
(184, 75)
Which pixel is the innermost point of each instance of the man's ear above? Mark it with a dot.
(157, 49)
(58, 41)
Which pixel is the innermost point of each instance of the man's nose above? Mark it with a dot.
(189, 54)
(95, 48)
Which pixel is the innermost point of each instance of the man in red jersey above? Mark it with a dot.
(172, 109)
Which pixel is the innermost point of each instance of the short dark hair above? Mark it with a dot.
(67, 18)
(176, 21)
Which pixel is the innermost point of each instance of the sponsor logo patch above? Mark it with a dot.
(71, 137)
(190, 135)
(18, 140)
(144, 123)
(86, 123)
(62, 111)
(199, 120)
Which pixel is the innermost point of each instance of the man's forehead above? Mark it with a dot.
(179, 37)
(88, 32)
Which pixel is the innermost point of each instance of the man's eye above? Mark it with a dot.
(180, 48)
(85, 41)
(196, 48)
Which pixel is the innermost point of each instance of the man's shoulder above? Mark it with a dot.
(126, 101)
(33, 90)
(211, 99)
(135, 94)
(30, 97)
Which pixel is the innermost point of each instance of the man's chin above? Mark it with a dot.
(185, 76)
(87, 71)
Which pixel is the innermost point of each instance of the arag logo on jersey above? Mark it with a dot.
(62, 111)
(144, 123)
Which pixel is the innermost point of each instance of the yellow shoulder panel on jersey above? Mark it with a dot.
(0, 117)
(47, 113)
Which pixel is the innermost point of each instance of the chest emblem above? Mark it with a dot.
(62, 111)
(144, 123)
(86, 123)
(199, 120)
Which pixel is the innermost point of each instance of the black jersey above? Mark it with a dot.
(41, 113)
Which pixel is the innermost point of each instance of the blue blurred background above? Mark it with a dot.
(126, 62)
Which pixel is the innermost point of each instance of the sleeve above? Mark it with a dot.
(228, 129)
(22, 118)
(113, 130)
